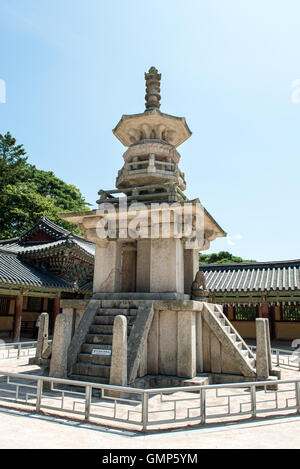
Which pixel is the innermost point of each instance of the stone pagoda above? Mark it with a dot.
(154, 262)
(143, 321)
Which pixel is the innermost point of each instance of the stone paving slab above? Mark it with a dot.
(20, 430)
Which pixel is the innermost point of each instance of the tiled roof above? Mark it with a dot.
(86, 287)
(258, 276)
(23, 245)
(13, 271)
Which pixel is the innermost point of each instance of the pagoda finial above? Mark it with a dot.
(152, 89)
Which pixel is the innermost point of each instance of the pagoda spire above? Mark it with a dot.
(152, 89)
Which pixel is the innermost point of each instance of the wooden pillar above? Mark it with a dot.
(266, 312)
(18, 318)
(56, 310)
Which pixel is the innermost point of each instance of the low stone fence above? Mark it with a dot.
(283, 358)
(144, 409)
(17, 350)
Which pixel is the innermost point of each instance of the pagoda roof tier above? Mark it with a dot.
(152, 124)
(89, 220)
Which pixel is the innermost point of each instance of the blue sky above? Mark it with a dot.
(73, 67)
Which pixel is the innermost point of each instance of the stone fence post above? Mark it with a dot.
(262, 348)
(42, 341)
(118, 367)
(58, 364)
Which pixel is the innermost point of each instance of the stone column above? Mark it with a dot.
(167, 269)
(17, 318)
(128, 268)
(153, 346)
(118, 367)
(69, 313)
(186, 343)
(42, 342)
(191, 267)
(199, 342)
(143, 265)
(107, 271)
(58, 364)
(262, 356)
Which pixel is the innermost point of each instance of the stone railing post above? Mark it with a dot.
(42, 341)
(262, 354)
(118, 367)
(58, 364)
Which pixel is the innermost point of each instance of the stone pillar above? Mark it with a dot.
(18, 318)
(143, 265)
(267, 326)
(167, 269)
(262, 355)
(186, 343)
(153, 346)
(191, 267)
(199, 342)
(118, 367)
(129, 268)
(69, 313)
(58, 364)
(107, 271)
(42, 342)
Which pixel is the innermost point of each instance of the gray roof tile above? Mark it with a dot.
(13, 271)
(258, 276)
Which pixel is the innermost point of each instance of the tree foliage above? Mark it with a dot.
(26, 192)
(222, 257)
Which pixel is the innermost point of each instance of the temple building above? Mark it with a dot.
(37, 270)
(261, 289)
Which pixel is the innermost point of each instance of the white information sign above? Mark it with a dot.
(103, 352)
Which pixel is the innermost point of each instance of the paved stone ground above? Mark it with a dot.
(20, 429)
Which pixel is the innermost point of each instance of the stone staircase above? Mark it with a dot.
(230, 339)
(96, 368)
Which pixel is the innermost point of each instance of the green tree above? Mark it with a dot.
(26, 192)
(13, 162)
(222, 257)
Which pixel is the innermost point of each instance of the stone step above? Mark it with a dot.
(227, 329)
(104, 329)
(88, 348)
(116, 312)
(101, 329)
(126, 304)
(251, 362)
(89, 379)
(233, 337)
(239, 345)
(99, 339)
(218, 314)
(89, 369)
(109, 319)
(94, 359)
